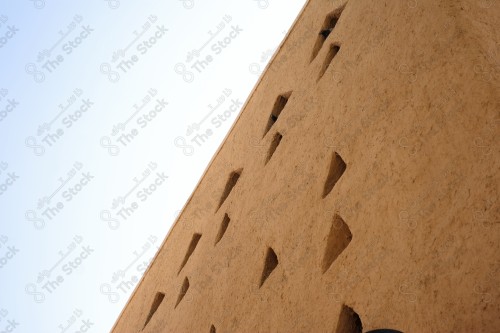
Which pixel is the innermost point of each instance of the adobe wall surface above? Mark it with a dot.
(380, 201)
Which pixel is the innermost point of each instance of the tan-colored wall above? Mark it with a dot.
(408, 237)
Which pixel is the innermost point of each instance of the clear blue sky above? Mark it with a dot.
(102, 107)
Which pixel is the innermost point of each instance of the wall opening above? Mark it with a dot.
(183, 291)
(274, 144)
(154, 306)
(270, 264)
(212, 329)
(326, 29)
(349, 321)
(279, 105)
(190, 250)
(231, 182)
(222, 228)
(332, 52)
(339, 238)
(337, 168)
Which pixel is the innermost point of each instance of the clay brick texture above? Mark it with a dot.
(357, 189)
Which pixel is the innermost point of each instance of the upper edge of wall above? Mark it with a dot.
(213, 158)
